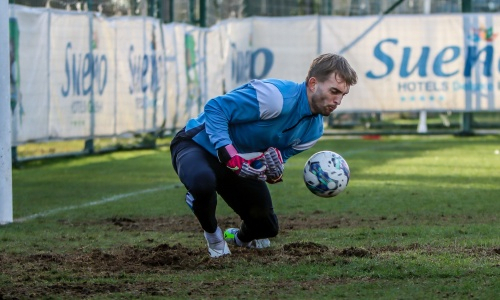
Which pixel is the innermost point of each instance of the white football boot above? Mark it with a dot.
(217, 246)
(230, 237)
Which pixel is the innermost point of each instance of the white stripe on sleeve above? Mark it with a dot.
(270, 99)
(305, 146)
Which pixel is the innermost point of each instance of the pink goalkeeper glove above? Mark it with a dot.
(249, 165)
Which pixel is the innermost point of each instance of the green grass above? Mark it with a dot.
(419, 220)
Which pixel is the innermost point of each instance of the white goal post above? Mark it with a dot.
(6, 213)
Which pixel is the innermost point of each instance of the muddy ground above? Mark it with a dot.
(94, 272)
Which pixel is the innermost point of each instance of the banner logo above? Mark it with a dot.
(247, 65)
(482, 34)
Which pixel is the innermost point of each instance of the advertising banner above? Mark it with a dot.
(411, 63)
(81, 75)
(71, 75)
(140, 74)
(29, 74)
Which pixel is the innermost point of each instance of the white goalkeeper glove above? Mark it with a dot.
(275, 165)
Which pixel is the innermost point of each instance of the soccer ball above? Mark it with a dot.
(326, 174)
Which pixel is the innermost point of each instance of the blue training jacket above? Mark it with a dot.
(256, 116)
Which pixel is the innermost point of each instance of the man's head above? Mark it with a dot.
(329, 79)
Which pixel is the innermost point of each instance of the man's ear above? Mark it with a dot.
(311, 84)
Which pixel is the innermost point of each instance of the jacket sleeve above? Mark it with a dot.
(237, 106)
(251, 102)
(294, 150)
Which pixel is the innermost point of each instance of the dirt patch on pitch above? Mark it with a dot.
(126, 270)
(315, 220)
(99, 272)
(189, 223)
(153, 269)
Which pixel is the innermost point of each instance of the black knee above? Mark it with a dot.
(259, 228)
(202, 186)
(273, 228)
(202, 199)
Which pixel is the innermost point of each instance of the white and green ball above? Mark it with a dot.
(326, 174)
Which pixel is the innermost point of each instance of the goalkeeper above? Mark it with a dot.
(241, 141)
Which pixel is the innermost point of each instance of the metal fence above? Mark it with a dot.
(209, 12)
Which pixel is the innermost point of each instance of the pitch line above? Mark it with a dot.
(93, 203)
(168, 187)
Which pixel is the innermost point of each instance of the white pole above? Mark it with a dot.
(422, 122)
(6, 214)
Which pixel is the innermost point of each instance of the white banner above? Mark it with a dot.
(79, 75)
(104, 101)
(411, 63)
(172, 51)
(29, 34)
(236, 43)
(71, 76)
(214, 63)
(195, 72)
(285, 47)
(140, 74)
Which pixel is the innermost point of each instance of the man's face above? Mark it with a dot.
(324, 97)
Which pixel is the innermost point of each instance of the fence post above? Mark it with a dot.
(89, 143)
(466, 124)
(160, 11)
(203, 13)
(466, 6)
(192, 17)
(6, 213)
(171, 14)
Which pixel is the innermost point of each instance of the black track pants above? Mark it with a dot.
(204, 177)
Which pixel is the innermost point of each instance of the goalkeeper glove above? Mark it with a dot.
(275, 165)
(249, 165)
